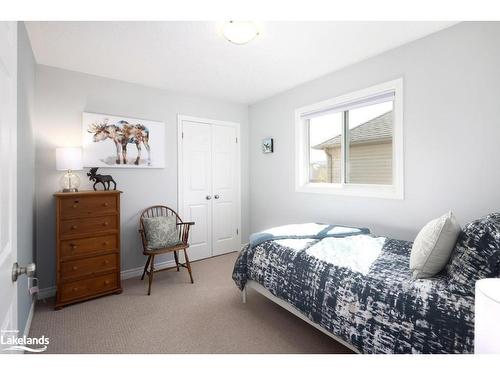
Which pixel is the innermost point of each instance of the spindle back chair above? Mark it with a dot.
(157, 211)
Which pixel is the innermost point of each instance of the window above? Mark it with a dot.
(353, 144)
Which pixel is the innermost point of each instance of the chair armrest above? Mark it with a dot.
(186, 223)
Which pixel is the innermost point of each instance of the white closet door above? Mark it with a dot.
(197, 187)
(209, 187)
(225, 189)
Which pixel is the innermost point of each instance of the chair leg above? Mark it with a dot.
(145, 267)
(151, 273)
(188, 265)
(176, 260)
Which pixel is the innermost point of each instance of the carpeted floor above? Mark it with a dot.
(205, 317)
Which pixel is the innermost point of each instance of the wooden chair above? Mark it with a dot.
(155, 211)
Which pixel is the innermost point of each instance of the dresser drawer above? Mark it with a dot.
(88, 226)
(87, 246)
(73, 207)
(88, 287)
(89, 266)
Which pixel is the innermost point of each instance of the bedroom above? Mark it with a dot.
(305, 187)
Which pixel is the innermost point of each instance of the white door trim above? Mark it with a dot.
(180, 187)
(8, 188)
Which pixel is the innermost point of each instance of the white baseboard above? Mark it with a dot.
(134, 272)
(124, 275)
(30, 318)
(46, 293)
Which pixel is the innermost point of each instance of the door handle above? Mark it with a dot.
(216, 196)
(17, 271)
(208, 197)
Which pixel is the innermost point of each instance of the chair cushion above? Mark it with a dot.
(161, 232)
(433, 246)
(477, 252)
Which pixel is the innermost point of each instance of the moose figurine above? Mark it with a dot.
(101, 178)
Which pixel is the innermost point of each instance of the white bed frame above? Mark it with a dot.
(287, 306)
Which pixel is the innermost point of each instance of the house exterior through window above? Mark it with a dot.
(352, 145)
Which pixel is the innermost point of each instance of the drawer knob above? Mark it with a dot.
(105, 204)
(73, 246)
(105, 243)
(75, 206)
(75, 268)
(74, 226)
(75, 289)
(105, 224)
(106, 262)
(107, 282)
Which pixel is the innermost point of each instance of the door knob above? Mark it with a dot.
(17, 271)
(216, 196)
(208, 197)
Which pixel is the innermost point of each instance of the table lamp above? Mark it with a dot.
(487, 314)
(69, 159)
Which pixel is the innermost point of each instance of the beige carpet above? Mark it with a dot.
(179, 317)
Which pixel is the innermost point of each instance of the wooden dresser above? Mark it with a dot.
(88, 245)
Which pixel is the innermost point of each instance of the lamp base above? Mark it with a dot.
(70, 190)
(69, 182)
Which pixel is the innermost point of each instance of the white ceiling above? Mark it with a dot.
(193, 57)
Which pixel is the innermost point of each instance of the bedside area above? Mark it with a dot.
(88, 245)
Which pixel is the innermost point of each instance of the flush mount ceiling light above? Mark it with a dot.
(240, 32)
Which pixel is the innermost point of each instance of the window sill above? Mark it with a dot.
(357, 190)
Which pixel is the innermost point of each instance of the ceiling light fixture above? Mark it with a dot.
(240, 32)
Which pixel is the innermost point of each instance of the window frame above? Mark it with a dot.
(302, 173)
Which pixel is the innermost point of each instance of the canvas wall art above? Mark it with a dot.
(267, 145)
(122, 142)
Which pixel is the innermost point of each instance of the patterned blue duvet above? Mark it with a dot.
(360, 289)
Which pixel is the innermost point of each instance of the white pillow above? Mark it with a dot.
(433, 246)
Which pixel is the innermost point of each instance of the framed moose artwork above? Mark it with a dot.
(122, 142)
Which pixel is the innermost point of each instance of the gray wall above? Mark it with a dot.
(451, 137)
(61, 97)
(25, 168)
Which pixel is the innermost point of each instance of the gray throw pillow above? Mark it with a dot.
(161, 232)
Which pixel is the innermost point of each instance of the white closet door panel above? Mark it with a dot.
(197, 186)
(225, 189)
(224, 225)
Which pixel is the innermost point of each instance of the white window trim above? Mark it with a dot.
(394, 191)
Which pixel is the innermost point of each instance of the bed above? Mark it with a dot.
(357, 287)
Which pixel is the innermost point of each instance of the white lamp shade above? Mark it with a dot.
(69, 158)
(487, 315)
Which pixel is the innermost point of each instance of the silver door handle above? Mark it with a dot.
(216, 196)
(17, 271)
(208, 197)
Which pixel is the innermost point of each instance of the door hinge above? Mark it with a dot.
(237, 231)
(182, 135)
(236, 139)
